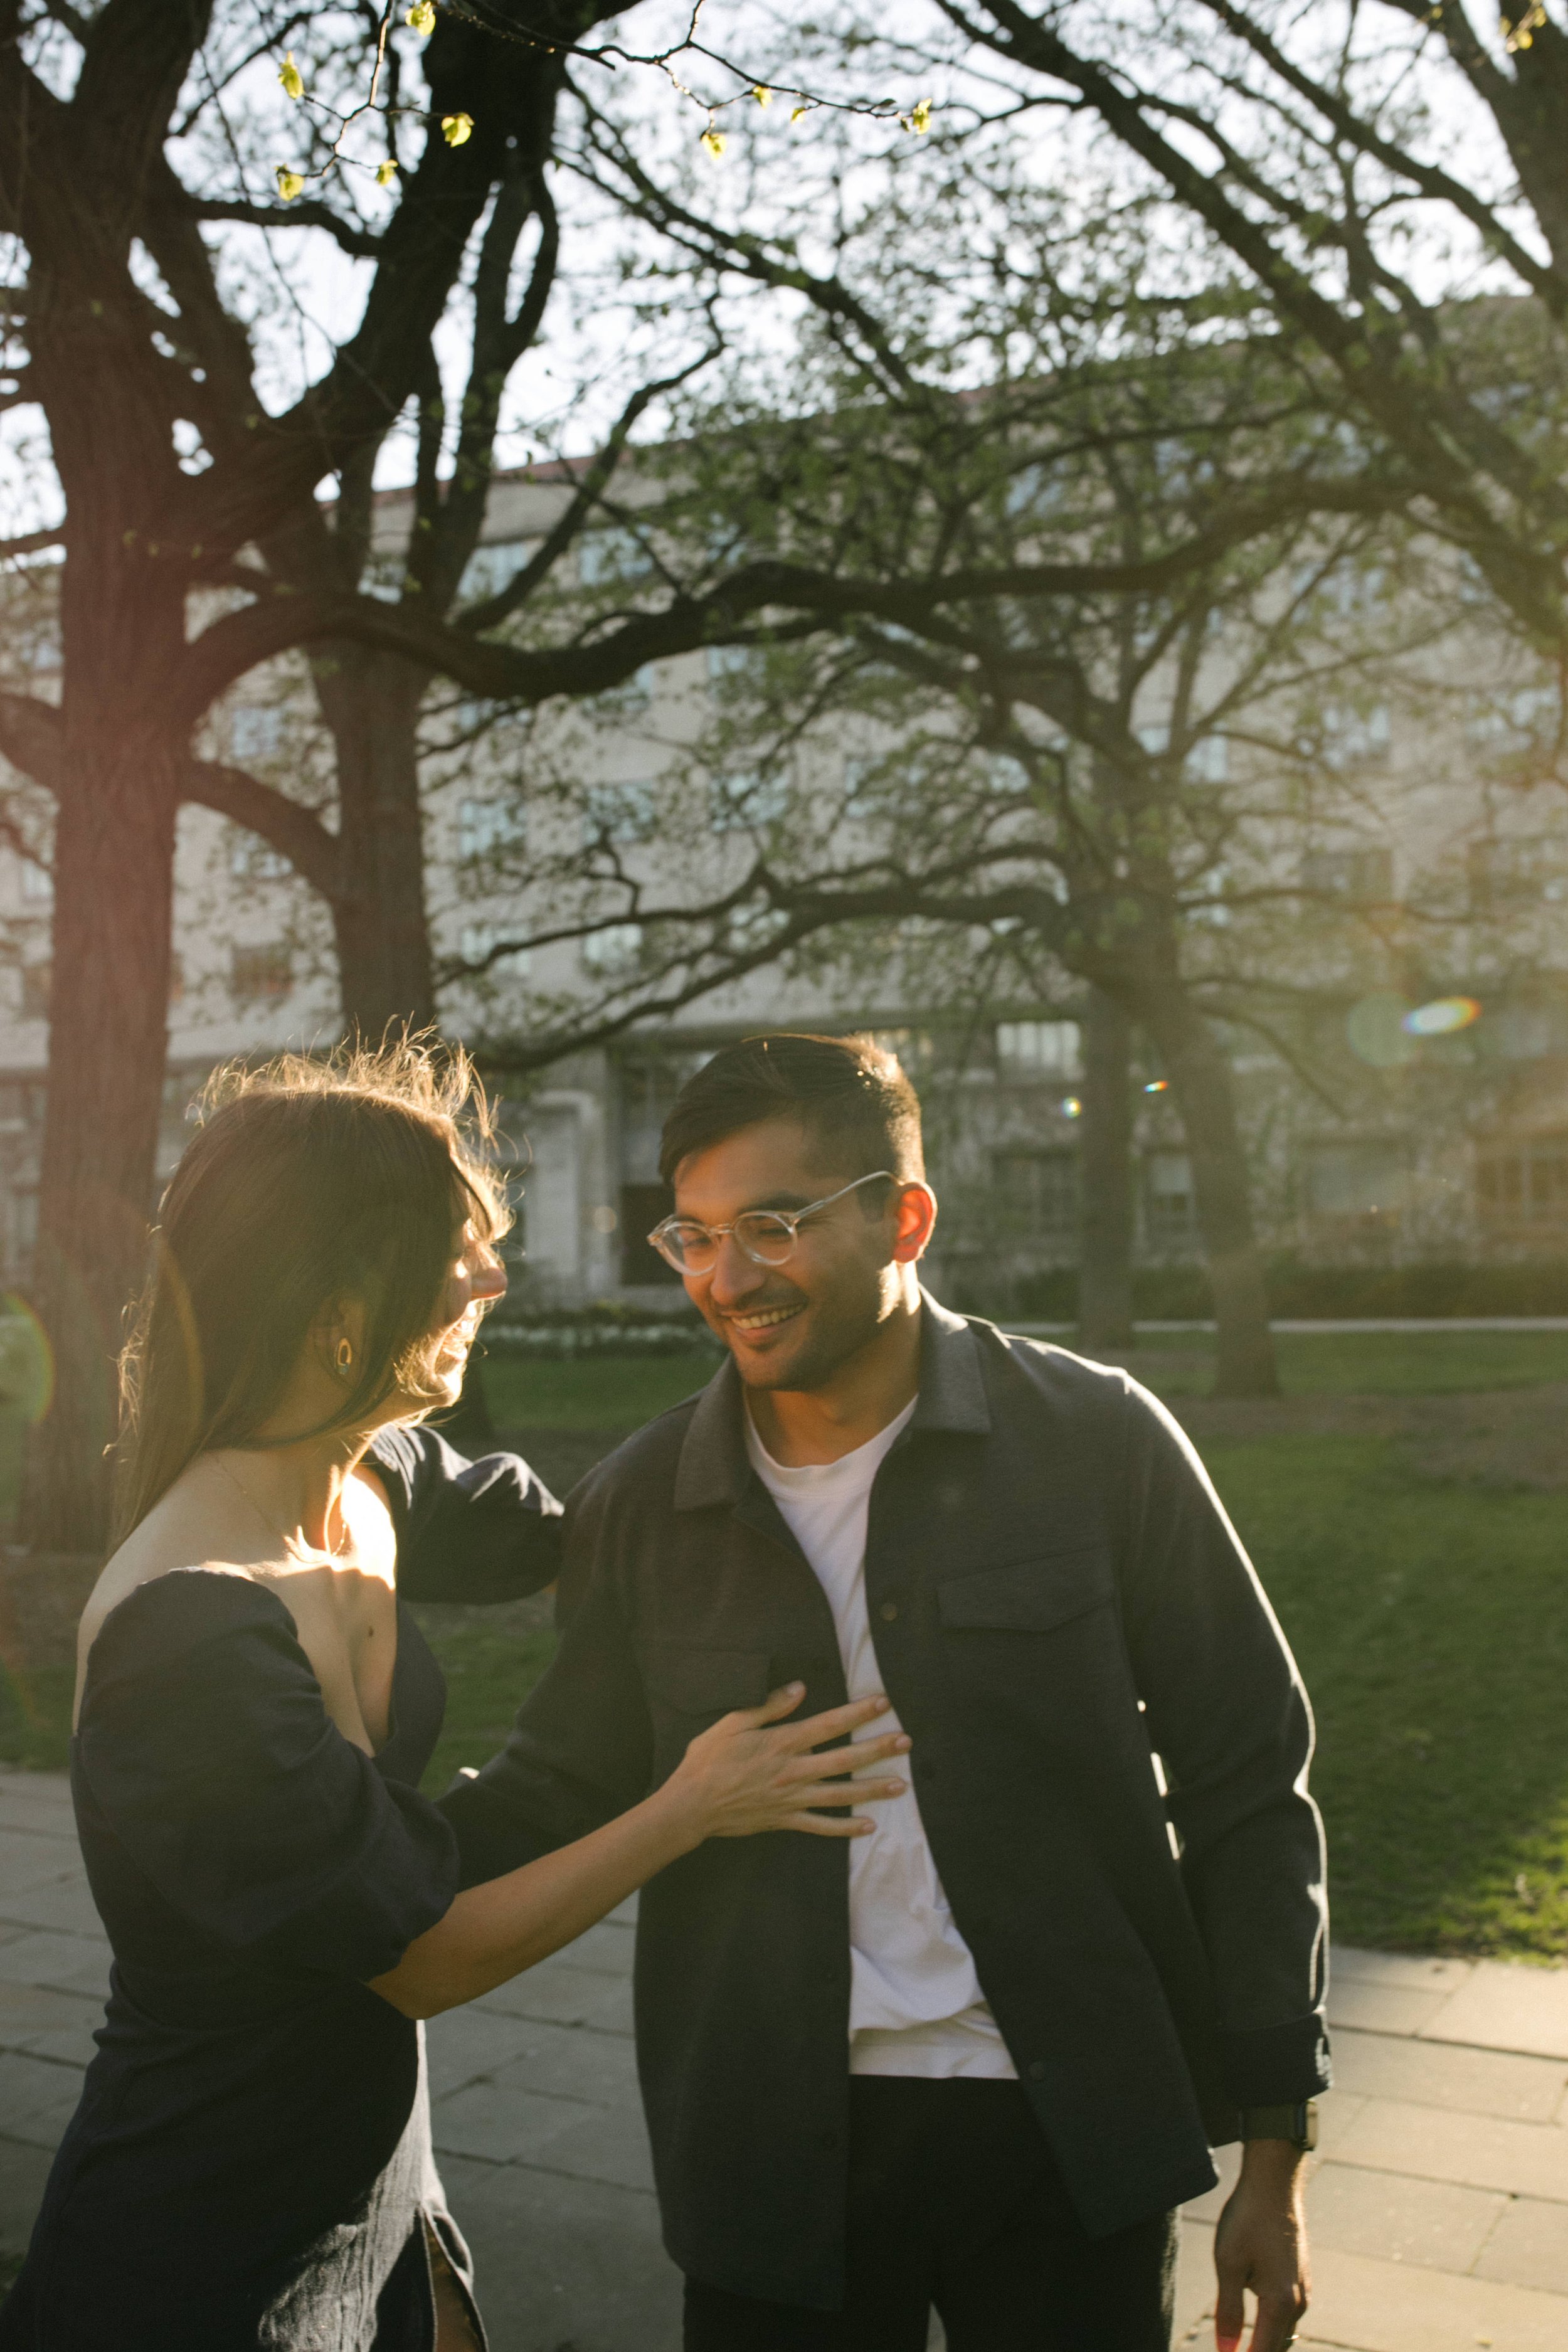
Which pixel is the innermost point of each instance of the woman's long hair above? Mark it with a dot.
(310, 1183)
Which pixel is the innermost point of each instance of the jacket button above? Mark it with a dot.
(889, 1611)
(1037, 2070)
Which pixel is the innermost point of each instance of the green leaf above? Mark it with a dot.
(289, 184)
(456, 129)
(289, 75)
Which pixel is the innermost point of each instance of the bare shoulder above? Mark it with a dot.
(176, 1534)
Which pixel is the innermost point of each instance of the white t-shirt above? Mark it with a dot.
(915, 2003)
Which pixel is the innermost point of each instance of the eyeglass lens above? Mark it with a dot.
(764, 1237)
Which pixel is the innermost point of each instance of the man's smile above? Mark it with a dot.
(765, 1318)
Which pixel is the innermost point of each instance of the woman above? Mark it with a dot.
(250, 2163)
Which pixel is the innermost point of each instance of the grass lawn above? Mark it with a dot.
(1430, 1621)
(610, 1392)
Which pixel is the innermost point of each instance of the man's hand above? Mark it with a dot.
(1261, 2243)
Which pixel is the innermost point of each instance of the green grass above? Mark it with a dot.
(1431, 1623)
(612, 1393)
(1370, 1363)
(35, 1717)
(488, 1676)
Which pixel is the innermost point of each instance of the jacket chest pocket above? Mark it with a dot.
(689, 1689)
(1038, 1636)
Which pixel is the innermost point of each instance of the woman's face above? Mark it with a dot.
(474, 1280)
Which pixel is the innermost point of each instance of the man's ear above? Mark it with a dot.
(916, 1216)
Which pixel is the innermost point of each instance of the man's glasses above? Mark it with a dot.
(768, 1237)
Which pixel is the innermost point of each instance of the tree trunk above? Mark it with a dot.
(370, 702)
(1105, 1177)
(114, 847)
(1201, 1080)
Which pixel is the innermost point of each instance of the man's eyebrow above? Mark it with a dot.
(779, 1200)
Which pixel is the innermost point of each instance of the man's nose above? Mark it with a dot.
(735, 1275)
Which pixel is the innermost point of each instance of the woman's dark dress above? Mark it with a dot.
(250, 2164)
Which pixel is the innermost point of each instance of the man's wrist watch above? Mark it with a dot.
(1299, 2124)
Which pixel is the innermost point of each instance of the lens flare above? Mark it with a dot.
(26, 1358)
(1156, 1086)
(1442, 1017)
(1071, 1107)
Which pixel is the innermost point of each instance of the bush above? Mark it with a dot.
(559, 1334)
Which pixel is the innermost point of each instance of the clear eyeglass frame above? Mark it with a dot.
(768, 1237)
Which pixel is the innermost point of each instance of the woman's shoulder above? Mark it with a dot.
(166, 1622)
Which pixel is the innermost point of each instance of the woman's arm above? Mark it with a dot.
(735, 1780)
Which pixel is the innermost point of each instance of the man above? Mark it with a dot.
(977, 2061)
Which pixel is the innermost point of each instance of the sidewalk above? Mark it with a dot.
(1439, 2199)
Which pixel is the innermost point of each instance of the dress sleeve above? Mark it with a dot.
(207, 1745)
(484, 1531)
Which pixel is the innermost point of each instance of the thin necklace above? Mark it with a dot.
(275, 1526)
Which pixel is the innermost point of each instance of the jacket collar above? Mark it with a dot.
(713, 1467)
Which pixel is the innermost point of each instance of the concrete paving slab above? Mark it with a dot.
(1429, 2073)
(1435, 2224)
(463, 2044)
(562, 1994)
(565, 2262)
(1528, 2247)
(66, 1903)
(503, 2126)
(1373, 2007)
(1505, 2006)
(29, 2013)
(573, 2062)
(45, 2126)
(601, 2146)
(29, 1859)
(70, 1963)
(28, 2084)
(606, 1949)
(1475, 2151)
(1381, 2306)
(1407, 1971)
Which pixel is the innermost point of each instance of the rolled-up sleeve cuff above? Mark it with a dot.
(1277, 2066)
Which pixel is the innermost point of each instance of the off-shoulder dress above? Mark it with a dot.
(250, 2164)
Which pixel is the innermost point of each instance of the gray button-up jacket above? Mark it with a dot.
(1055, 1596)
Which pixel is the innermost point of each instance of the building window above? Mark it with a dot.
(488, 824)
(642, 1207)
(616, 948)
(490, 569)
(477, 946)
(603, 556)
(1035, 1195)
(257, 972)
(1355, 738)
(1364, 1182)
(37, 883)
(1168, 1203)
(754, 797)
(36, 980)
(1532, 871)
(1356, 878)
(617, 813)
(1038, 1049)
(1523, 1185)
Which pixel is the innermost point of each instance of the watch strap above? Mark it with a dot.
(1296, 2124)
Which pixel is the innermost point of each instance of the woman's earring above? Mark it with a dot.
(345, 1358)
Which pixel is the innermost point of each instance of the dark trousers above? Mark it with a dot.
(954, 2201)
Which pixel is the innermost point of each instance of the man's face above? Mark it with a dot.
(792, 1326)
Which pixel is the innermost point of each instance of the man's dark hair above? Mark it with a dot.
(848, 1093)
